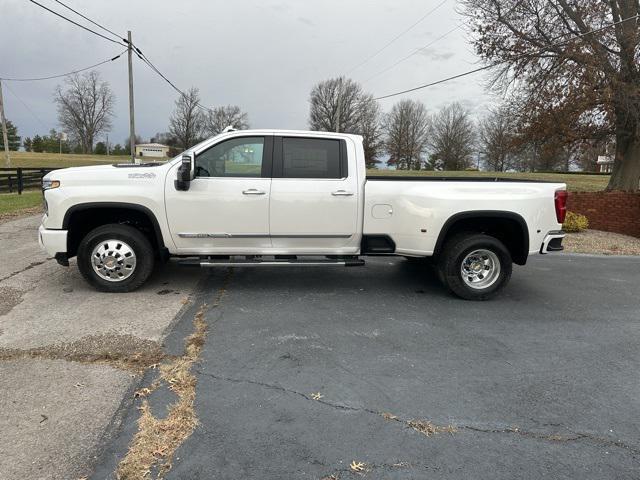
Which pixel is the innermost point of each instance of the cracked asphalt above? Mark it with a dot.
(307, 370)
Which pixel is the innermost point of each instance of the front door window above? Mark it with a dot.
(237, 157)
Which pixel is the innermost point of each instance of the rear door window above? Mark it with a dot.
(312, 158)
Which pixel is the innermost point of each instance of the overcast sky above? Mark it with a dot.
(262, 55)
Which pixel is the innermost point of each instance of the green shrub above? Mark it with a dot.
(575, 222)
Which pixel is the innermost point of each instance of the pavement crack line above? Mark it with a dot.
(427, 428)
(28, 267)
(556, 437)
(286, 390)
(152, 448)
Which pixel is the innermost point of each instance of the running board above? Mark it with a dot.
(212, 263)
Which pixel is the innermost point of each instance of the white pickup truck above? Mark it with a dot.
(275, 198)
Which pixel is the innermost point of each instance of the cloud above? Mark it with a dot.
(231, 62)
(306, 21)
(436, 55)
(281, 7)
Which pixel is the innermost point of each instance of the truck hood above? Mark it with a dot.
(109, 174)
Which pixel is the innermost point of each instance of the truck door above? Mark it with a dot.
(314, 196)
(226, 208)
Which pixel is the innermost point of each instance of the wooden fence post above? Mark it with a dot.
(20, 184)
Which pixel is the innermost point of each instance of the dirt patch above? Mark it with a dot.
(599, 242)
(25, 212)
(150, 454)
(121, 351)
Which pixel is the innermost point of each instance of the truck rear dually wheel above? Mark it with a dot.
(475, 266)
(115, 258)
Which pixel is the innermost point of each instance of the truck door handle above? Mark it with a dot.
(253, 191)
(342, 193)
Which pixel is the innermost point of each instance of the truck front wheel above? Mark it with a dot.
(475, 266)
(115, 258)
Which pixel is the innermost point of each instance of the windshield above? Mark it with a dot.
(194, 148)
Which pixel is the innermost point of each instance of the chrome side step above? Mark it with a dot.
(257, 262)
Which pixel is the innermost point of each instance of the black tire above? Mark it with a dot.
(456, 250)
(135, 239)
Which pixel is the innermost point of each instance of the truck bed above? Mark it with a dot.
(424, 178)
(413, 210)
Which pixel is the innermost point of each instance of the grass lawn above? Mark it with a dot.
(12, 203)
(37, 160)
(575, 183)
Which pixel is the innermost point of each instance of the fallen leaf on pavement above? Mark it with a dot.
(317, 396)
(357, 466)
(143, 392)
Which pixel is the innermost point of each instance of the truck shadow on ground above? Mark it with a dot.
(384, 273)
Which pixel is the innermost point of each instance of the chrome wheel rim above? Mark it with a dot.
(480, 269)
(113, 260)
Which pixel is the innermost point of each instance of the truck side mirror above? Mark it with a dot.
(185, 172)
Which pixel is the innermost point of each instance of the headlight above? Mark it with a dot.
(48, 184)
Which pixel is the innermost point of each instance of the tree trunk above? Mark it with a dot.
(626, 165)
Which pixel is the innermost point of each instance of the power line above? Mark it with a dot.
(424, 47)
(137, 50)
(76, 23)
(148, 62)
(486, 67)
(407, 30)
(89, 20)
(34, 79)
(26, 106)
(464, 74)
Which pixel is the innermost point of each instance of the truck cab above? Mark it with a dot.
(269, 193)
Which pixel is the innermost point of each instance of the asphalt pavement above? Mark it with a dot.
(306, 371)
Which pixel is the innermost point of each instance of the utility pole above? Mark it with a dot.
(4, 129)
(132, 124)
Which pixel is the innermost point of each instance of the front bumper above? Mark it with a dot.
(52, 241)
(553, 242)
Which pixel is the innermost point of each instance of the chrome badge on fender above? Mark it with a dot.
(142, 175)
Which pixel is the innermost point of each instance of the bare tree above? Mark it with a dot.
(371, 130)
(497, 134)
(337, 97)
(407, 129)
(222, 117)
(566, 56)
(340, 104)
(85, 108)
(187, 121)
(452, 137)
